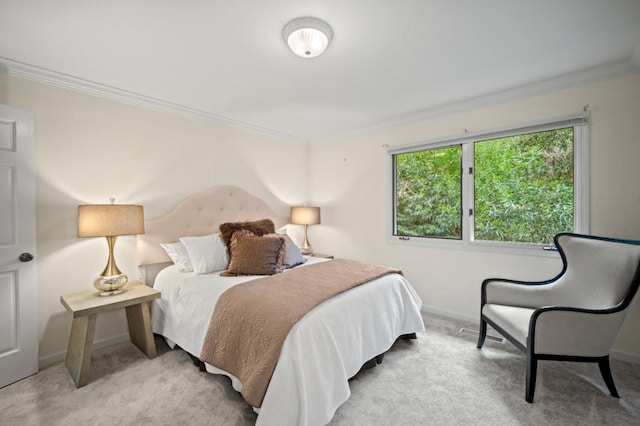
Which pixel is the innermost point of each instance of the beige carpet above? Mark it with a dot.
(440, 379)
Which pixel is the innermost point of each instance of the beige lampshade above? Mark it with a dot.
(305, 215)
(103, 220)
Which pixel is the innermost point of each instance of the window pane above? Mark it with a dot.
(524, 187)
(428, 193)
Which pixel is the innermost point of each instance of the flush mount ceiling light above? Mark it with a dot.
(307, 37)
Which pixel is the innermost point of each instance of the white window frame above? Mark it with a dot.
(580, 126)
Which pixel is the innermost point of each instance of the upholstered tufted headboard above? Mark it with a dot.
(200, 214)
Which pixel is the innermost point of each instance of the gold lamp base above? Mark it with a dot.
(110, 285)
(306, 248)
(111, 281)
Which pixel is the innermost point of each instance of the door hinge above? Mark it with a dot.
(470, 212)
(470, 170)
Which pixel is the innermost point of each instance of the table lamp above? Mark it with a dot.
(305, 215)
(110, 221)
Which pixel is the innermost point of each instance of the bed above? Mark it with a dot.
(325, 348)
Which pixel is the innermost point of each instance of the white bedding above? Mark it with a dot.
(322, 351)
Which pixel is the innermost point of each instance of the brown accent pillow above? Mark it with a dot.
(255, 255)
(257, 227)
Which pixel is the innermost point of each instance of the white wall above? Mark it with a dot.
(89, 149)
(349, 179)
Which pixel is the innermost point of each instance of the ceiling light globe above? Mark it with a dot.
(307, 37)
(307, 42)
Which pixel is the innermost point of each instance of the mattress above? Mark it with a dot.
(322, 351)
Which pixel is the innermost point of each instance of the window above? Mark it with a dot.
(429, 193)
(517, 186)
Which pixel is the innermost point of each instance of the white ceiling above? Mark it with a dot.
(389, 59)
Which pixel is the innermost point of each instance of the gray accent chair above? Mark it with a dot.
(575, 316)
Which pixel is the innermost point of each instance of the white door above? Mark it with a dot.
(18, 287)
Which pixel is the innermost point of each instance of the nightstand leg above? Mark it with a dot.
(79, 350)
(139, 320)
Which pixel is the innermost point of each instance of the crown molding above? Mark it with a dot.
(566, 81)
(31, 72)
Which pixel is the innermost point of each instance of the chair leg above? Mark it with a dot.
(482, 333)
(605, 370)
(532, 368)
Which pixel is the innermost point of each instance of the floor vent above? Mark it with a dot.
(475, 333)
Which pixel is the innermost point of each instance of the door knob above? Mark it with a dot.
(26, 257)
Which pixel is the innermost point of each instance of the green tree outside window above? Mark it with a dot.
(523, 189)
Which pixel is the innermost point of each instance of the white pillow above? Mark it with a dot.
(207, 254)
(178, 254)
(292, 255)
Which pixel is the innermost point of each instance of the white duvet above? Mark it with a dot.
(322, 351)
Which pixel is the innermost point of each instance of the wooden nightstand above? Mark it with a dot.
(86, 306)
(322, 256)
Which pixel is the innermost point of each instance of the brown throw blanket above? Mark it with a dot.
(252, 320)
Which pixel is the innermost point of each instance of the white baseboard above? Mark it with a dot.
(615, 354)
(625, 356)
(48, 360)
(448, 314)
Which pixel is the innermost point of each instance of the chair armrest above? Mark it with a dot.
(574, 331)
(524, 294)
